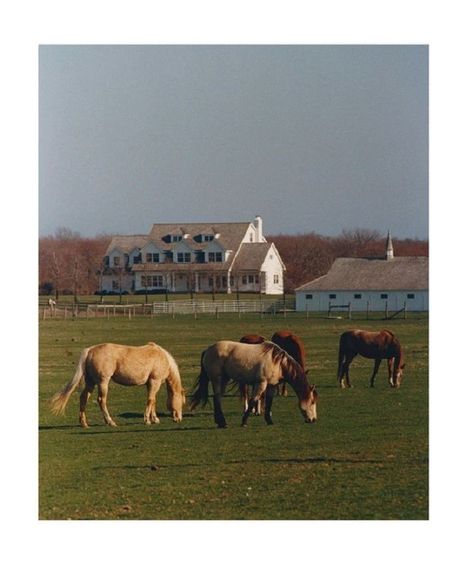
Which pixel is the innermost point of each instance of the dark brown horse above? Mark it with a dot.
(379, 346)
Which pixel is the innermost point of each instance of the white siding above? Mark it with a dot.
(319, 300)
(272, 269)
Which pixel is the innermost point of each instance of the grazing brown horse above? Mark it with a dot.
(264, 365)
(148, 365)
(379, 346)
(293, 345)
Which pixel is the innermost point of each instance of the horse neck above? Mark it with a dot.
(173, 379)
(398, 355)
(298, 382)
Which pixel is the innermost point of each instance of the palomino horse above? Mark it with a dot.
(291, 344)
(375, 345)
(148, 365)
(263, 365)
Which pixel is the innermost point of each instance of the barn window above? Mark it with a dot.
(384, 295)
(332, 296)
(309, 297)
(357, 296)
(411, 296)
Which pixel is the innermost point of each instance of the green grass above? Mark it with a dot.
(366, 457)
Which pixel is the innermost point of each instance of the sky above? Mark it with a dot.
(312, 138)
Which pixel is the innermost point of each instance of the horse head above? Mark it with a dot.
(175, 402)
(397, 375)
(308, 405)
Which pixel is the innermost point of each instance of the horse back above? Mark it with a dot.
(291, 344)
(128, 365)
(370, 344)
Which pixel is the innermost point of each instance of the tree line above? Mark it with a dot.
(72, 264)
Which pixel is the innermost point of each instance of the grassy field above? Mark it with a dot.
(366, 457)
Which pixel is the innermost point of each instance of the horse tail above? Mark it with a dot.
(59, 400)
(200, 395)
(341, 356)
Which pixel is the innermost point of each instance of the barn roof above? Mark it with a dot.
(373, 274)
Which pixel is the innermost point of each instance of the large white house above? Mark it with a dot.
(374, 284)
(213, 257)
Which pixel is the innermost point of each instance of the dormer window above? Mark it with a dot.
(176, 238)
(215, 257)
(152, 258)
(207, 237)
(183, 257)
(137, 258)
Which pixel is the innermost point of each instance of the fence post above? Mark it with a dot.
(405, 310)
(367, 310)
(349, 311)
(307, 310)
(386, 310)
(216, 311)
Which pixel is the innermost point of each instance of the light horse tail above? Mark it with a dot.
(174, 379)
(200, 395)
(59, 400)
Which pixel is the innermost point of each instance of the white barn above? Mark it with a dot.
(220, 257)
(374, 284)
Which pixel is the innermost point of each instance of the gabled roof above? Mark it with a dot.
(230, 233)
(368, 274)
(251, 256)
(127, 244)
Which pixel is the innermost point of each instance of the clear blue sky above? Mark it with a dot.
(312, 138)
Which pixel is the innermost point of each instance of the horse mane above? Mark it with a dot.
(280, 356)
(292, 344)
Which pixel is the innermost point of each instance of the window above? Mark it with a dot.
(183, 257)
(411, 296)
(152, 281)
(152, 258)
(256, 279)
(309, 297)
(357, 296)
(215, 257)
(244, 279)
(115, 285)
(276, 279)
(176, 238)
(332, 296)
(251, 279)
(207, 238)
(384, 295)
(106, 261)
(137, 258)
(116, 261)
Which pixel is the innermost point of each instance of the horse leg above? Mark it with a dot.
(390, 371)
(150, 416)
(219, 417)
(84, 397)
(377, 363)
(284, 389)
(345, 371)
(270, 391)
(260, 391)
(102, 399)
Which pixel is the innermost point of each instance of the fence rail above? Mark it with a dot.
(180, 307)
(222, 306)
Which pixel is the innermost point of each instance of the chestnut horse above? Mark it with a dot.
(126, 365)
(263, 365)
(379, 346)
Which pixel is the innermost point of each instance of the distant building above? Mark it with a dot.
(372, 283)
(221, 257)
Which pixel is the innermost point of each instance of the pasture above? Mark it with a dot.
(365, 458)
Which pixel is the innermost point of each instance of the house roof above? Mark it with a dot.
(251, 256)
(373, 274)
(127, 243)
(230, 233)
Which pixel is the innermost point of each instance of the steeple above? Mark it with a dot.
(389, 247)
